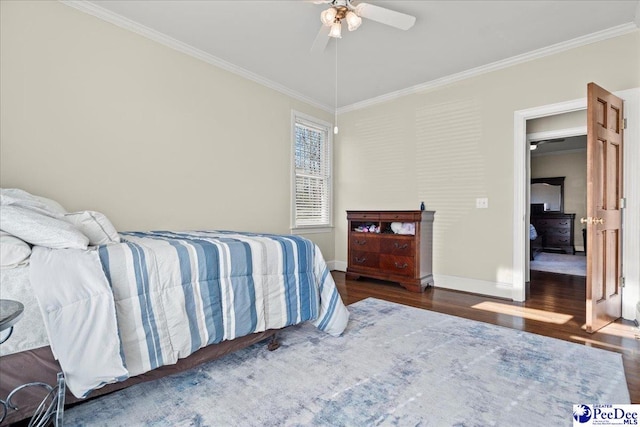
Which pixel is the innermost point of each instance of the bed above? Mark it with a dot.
(154, 303)
(535, 242)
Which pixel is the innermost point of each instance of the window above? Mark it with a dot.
(312, 174)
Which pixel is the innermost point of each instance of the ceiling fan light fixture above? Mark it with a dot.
(328, 16)
(353, 20)
(336, 30)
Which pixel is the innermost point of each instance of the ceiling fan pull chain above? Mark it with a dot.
(335, 111)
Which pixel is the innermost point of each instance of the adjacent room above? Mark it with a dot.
(332, 212)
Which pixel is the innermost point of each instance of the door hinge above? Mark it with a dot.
(623, 203)
(622, 281)
(624, 123)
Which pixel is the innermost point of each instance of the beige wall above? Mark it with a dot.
(452, 144)
(100, 118)
(573, 166)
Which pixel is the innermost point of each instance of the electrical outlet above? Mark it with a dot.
(482, 203)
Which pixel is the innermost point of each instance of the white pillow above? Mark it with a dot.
(95, 225)
(13, 251)
(17, 197)
(52, 205)
(39, 229)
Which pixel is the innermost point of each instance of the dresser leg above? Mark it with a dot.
(352, 276)
(414, 288)
(421, 286)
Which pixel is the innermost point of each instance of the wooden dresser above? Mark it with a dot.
(401, 258)
(556, 229)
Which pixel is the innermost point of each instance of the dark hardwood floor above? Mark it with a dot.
(555, 308)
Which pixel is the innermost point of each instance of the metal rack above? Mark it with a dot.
(51, 409)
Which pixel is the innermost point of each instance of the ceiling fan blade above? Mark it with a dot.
(385, 16)
(547, 141)
(321, 41)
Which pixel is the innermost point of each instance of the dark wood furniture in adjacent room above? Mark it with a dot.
(383, 254)
(556, 229)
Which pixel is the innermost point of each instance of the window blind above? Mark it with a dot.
(312, 175)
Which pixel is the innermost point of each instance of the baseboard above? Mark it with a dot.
(337, 265)
(464, 284)
(476, 286)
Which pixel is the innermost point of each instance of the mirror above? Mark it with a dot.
(547, 195)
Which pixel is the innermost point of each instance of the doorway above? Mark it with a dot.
(558, 194)
(631, 246)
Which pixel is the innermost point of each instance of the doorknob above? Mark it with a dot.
(591, 220)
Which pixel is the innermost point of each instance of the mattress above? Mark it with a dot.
(29, 333)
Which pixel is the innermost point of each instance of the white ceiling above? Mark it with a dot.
(270, 41)
(561, 145)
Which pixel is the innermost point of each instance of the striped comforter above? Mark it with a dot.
(128, 308)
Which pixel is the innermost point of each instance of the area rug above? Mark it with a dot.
(560, 263)
(394, 365)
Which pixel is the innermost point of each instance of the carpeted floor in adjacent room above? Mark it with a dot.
(575, 265)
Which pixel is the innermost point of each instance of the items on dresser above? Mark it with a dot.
(556, 229)
(403, 258)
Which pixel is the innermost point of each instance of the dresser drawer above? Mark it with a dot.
(363, 216)
(557, 232)
(401, 265)
(364, 259)
(364, 242)
(401, 216)
(396, 246)
(552, 241)
(553, 222)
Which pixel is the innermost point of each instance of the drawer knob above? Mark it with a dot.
(399, 246)
(360, 242)
(401, 266)
(361, 260)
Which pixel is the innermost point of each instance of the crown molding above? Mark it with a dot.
(122, 22)
(127, 24)
(498, 65)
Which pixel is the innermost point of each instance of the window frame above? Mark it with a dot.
(305, 119)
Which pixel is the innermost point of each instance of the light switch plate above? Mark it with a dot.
(482, 203)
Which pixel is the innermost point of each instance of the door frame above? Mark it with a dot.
(631, 186)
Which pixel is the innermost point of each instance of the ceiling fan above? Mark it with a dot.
(343, 10)
(534, 145)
